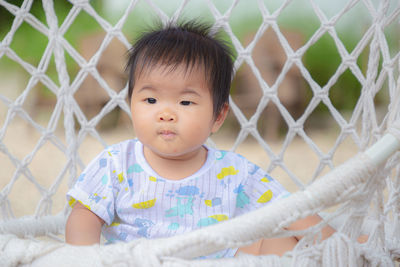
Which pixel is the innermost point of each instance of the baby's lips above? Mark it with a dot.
(166, 132)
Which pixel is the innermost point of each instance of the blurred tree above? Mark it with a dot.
(29, 43)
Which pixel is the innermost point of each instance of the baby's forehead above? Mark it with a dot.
(182, 69)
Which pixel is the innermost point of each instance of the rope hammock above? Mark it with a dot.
(365, 189)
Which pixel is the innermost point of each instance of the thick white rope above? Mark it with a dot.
(33, 227)
(336, 251)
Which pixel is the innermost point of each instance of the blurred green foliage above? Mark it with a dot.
(30, 44)
(322, 60)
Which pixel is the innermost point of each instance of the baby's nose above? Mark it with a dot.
(166, 116)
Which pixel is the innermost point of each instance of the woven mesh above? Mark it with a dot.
(362, 126)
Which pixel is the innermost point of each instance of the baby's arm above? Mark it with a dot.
(327, 231)
(279, 246)
(83, 226)
(309, 221)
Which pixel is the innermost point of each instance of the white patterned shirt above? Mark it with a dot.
(121, 188)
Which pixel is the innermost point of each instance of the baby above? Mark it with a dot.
(167, 181)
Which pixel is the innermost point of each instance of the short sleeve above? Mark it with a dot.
(257, 190)
(95, 187)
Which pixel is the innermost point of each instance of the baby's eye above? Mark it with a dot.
(151, 100)
(186, 103)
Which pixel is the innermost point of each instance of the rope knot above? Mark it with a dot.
(297, 127)
(321, 94)
(120, 97)
(80, 3)
(89, 67)
(219, 23)
(326, 159)
(269, 19)
(223, 19)
(245, 54)
(277, 161)
(114, 31)
(47, 197)
(21, 13)
(249, 126)
(88, 127)
(47, 135)
(388, 65)
(295, 57)
(348, 129)
(16, 107)
(349, 61)
(328, 25)
(38, 73)
(3, 47)
(270, 93)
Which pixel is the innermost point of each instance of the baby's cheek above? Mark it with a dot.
(200, 132)
(141, 119)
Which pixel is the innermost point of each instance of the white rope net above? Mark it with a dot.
(368, 194)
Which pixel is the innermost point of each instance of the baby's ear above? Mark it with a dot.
(220, 118)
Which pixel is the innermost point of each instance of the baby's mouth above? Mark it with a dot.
(167, 134)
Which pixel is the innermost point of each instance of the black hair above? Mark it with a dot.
(188, 43)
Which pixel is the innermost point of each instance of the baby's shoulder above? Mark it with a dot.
(229, 157)
(234, 159)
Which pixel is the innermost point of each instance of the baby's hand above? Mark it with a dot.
(362, 239)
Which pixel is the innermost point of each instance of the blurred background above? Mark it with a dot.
(298, 22)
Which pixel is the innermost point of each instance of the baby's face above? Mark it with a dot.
(172, 111)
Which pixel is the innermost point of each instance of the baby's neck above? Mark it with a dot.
(176, 168)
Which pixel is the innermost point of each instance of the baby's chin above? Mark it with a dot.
(177, 154)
